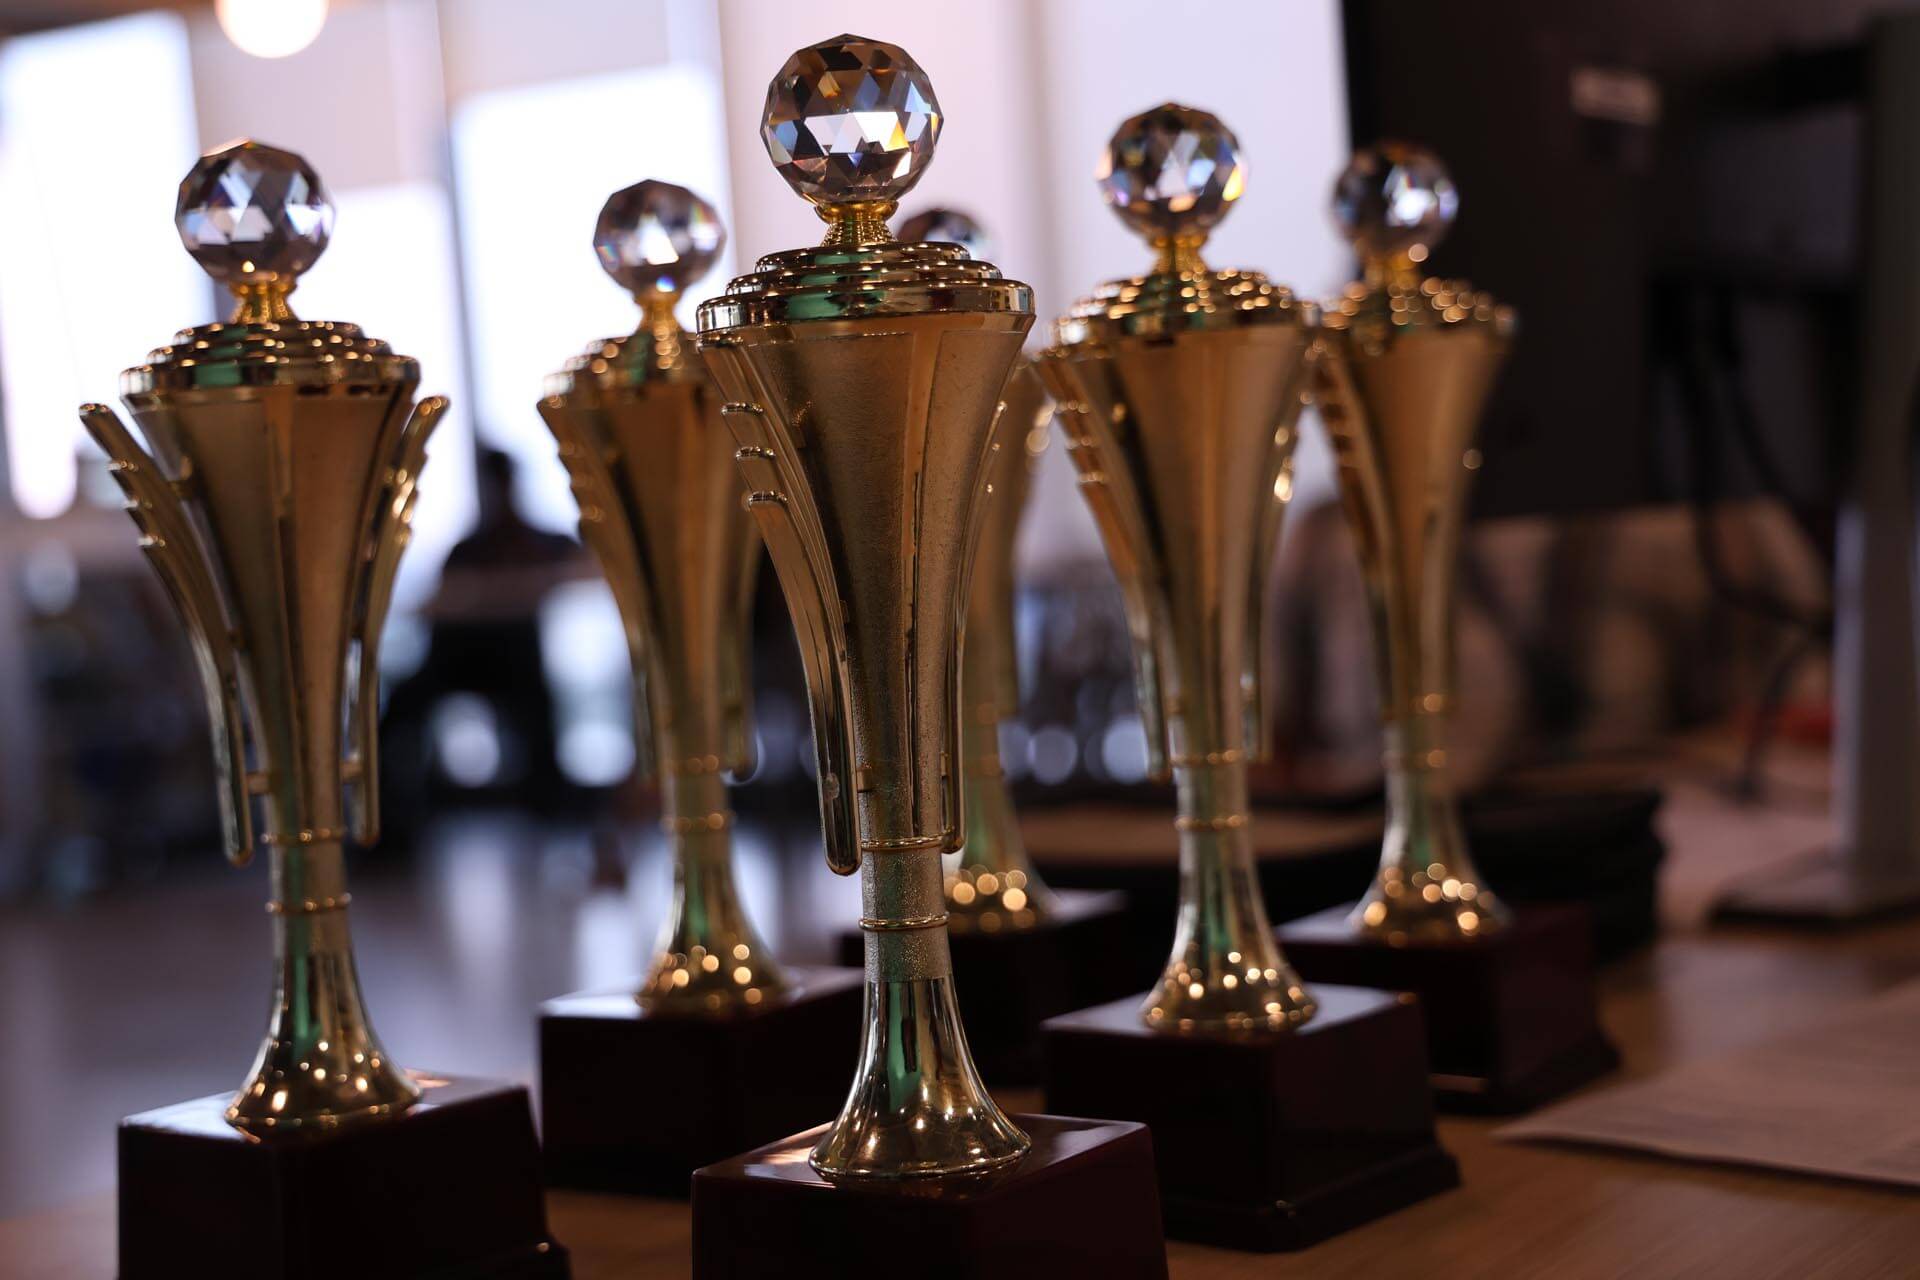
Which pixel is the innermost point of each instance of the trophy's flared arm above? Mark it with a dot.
(1116, 509)
(1368, 522)
(605, 528)
(387, 540)
(177, 555)
(781, 504)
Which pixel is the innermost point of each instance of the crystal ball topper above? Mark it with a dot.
(657, 238)
(947, 226)
(851, 120)
(1172, 171)
(1394, 199)
(252, 213)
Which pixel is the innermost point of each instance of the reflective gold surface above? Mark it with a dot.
(1409, 364)
(273, 497)
(639, 428)
(991, 884)
(1179, 393)
(863, 379)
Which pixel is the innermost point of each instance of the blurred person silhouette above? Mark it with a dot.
(475, 724)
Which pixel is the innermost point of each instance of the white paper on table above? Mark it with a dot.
(1840, 1097)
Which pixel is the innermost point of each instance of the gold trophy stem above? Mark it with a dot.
(1423, 822)
(857, 222)
(321, 1063)
(262, 301)
(1225, 961)
(1427, 885)
(994, 879)
(1179, 254)
(1404, 487)
(918, 1107)
(710, 955)
(992, 883)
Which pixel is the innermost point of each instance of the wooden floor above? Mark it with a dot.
(96, 1051)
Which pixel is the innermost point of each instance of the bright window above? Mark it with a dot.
(96, 131)
(532, 166)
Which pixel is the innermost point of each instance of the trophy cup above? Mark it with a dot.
(862, 379)
(1024, 952)
(638, 1088)
(1279, 1115)
(1407, 366)
(273, 498)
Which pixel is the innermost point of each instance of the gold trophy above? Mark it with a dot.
(637, 421)
(273, 498)
(863, 378)
(991, 884)
(1024, 953)
(1180, 392)
(1409, 364)
(1412, 362)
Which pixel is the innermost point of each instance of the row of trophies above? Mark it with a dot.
(871, 400)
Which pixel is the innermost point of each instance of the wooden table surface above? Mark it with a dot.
(1522, 1211)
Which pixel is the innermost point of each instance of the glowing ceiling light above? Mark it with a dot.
(271, 28)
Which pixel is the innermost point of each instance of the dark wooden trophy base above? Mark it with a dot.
(1268, 1140)
(1009, 982)
(1080, 1203)
(632, 1101)
(449, 1188)
(1511, 1018)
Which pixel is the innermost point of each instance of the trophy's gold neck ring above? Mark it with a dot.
(854, 281)
(1163, 303)
(298, 353)
(1392, 297)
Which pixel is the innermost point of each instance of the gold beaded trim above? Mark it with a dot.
(873, 925)
(903, 844)
(1416, 761)
(318, 835)
(1232, 755)
(1226, 822)
(718, 821)
(695, 766)
(309, 906)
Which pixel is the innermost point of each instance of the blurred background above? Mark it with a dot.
(1670, 195)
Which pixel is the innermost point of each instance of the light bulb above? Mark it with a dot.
(271, 28)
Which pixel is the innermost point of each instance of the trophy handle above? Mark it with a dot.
(1116, 509)
(978, 515)
(780, 502)
(1344, 417)
(1256, 689)
(604, 527)
(392, 529)
(735, 667)
(177, 555)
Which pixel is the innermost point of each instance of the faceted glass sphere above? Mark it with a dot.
(946, 226)
(1172, 170)
(253, 210)
(851, 119)
(656, 237)
(1394, 198)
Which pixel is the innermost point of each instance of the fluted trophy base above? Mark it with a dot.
(1511, 1017)
(1265, 1140)
(1012, 980)
(449, 1187)
(635, 1100)
(1081, 1202)
(917, 1109)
